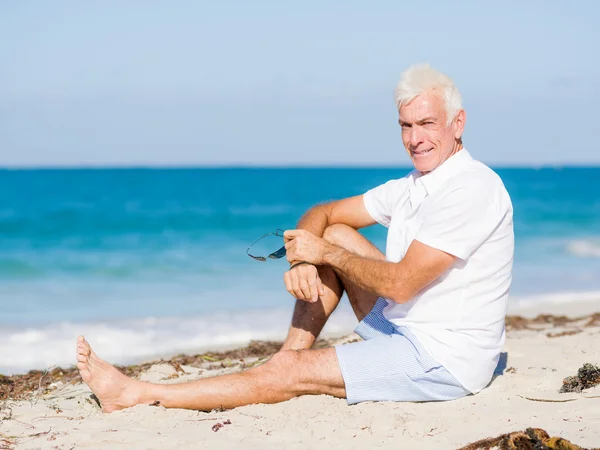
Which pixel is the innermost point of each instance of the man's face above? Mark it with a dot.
(427, 138)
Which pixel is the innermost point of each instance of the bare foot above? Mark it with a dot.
(114, 389)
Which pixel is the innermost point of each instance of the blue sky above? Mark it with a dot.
(289, 83)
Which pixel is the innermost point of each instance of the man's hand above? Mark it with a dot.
(303, 283)
(302, 245)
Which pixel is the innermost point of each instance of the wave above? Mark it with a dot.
(584, 248)
(548, 300)
(14, 268)
(134, 341)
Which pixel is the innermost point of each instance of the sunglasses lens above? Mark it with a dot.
(278, 254)
(265, 246)
(258, 258)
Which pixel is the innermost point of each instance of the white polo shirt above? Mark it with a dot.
(461, 208)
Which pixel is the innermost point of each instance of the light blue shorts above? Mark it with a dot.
(392, 365)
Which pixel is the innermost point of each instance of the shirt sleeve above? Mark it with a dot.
(380, 201)
(460, 221)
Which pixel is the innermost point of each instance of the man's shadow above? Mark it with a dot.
(501, 367)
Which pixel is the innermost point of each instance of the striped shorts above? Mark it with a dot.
(392, 365)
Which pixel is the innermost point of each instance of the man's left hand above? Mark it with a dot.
(302, 245)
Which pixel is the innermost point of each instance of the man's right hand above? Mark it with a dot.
(303, 283)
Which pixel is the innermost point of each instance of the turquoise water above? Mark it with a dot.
(158, 256)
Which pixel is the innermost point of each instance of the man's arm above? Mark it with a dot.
(303, 281)
(399, 282)
(349, 211)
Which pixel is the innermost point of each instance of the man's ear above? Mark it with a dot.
(459, 123)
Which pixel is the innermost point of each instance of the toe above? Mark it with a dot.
(82, 353)
(83, 347)
(81, 342)
(94, 357)
(86, 376)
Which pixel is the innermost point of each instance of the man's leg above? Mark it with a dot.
(309, 318)
(286, 375)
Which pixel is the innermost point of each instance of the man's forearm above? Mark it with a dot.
(315, 220)
(380, 277)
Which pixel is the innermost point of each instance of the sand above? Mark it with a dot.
(524, 395)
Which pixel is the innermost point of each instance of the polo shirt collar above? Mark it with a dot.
(420, 186)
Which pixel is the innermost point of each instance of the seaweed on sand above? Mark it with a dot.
(550, 321)
(18, 387)
(587, 376)
(530, 439)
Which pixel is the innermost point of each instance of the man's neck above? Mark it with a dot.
(458, 146)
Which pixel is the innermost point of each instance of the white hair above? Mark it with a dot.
(420, 78)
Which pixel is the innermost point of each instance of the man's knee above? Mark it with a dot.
(283, 360)
(347, 237)
(282, 368)
(339, 234)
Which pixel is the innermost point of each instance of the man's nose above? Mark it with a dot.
(416, 136)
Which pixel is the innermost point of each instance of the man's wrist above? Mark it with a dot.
(333, 256)
(300, 263)
(297, 261)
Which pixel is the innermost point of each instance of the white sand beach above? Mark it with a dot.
(525, 395)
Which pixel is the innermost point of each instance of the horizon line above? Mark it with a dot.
(34, 167)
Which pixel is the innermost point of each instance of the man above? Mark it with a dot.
(431, 310)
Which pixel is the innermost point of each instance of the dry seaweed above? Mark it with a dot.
(530, 439)
(545, 321)
(17, 387)
(522, 323)
(217, 426)
(593, 320)
(564, 333)
(587, 376)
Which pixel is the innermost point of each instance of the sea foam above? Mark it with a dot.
(586, 248)
(133, 341)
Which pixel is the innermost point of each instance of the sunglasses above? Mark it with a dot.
(258, 251)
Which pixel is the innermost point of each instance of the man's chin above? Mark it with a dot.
(424, 167)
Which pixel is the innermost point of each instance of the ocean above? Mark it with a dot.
(152, 262)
